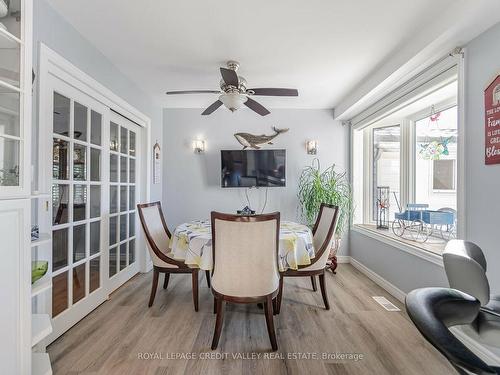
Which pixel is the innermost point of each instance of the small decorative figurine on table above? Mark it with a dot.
(383, 205)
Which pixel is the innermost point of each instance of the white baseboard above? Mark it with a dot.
(481, 351)
(148, 267)
(343, 259)
(379, 280)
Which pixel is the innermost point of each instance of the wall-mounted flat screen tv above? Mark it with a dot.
(253, 168)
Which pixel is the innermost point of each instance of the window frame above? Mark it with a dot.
(407, 171)
(390, 97)
(369, 185)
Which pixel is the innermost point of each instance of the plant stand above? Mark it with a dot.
(332, 263)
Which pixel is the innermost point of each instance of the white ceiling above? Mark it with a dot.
(322, 47)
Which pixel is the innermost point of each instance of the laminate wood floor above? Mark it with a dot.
(124, 336)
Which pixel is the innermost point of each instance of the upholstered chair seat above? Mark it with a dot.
(494, 303)
(160, 263)
(158, 241)
(433, 311)
(245, 264)
(318, 265)
(323, 235)
(465, 266)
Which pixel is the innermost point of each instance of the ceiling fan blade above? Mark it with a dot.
(256, 107)
(193, 92)
(275, 92)
(230, 77)
(212, 107)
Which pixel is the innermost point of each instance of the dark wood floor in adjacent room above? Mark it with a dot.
(112, 339)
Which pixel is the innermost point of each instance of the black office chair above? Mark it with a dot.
(433, 310)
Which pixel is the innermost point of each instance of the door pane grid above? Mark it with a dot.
(75, 199)
(122, 197)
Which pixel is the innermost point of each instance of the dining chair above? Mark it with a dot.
(158, 239)
(245, 265)
(323, 231)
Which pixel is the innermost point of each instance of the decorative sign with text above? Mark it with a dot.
(492, 122)
(156, 164)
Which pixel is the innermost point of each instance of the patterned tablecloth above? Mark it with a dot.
(192, 243)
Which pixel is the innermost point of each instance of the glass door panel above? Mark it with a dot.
(95, 167)
(10, 137)
(9, 112)
(122, 224)
(76, 201)
(9, 161)
(10, 58)
(15, 95)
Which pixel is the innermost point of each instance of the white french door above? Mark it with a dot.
(95, 166)
(123, 188)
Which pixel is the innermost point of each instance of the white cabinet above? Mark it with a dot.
(21, 332)
(15, 291)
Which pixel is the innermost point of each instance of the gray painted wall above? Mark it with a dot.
(401, 269)
(192, 182)
(482, 181)
(53, 30)
(408, 272)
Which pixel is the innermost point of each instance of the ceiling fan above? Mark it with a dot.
(234, 92)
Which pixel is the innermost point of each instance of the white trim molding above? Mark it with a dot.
(343, 259)
(440, 74)
(379, 280)
(462, 150)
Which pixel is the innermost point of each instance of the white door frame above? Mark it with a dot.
(51, 63)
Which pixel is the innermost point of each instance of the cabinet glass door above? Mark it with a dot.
(13, 151)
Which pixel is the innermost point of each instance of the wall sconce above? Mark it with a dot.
(312, 147)
(199, 146)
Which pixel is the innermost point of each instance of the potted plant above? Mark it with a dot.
(329, 186)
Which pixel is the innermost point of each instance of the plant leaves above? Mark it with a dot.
(329, 186)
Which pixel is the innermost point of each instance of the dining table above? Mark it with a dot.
(191, 243)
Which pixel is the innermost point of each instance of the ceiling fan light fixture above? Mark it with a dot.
(233, 100)
(235, 93)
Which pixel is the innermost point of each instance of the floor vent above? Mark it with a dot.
(386, 304)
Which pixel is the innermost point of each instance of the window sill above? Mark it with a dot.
(431, 253)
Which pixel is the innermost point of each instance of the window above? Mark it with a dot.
(386, 165)
(443, 175)
(435, 159)
(412, 150)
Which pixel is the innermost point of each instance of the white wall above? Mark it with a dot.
(192, 182)
(482, 181)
